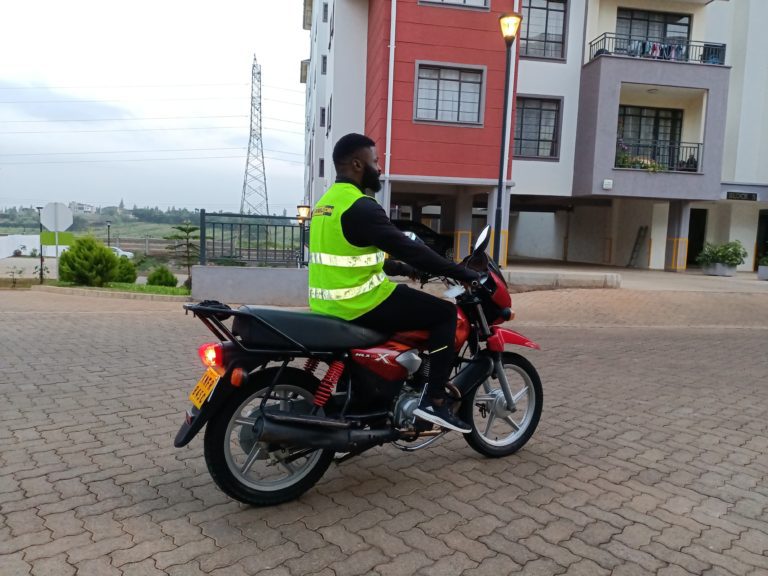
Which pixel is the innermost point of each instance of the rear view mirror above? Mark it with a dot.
(482, 240)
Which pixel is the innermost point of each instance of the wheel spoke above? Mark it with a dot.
(253, 455)
(288, 466)
(509, 420)
(517, 397)
(491, 418)
(245, 421)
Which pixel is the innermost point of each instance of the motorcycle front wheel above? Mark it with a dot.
(253, 472)
(496, 431)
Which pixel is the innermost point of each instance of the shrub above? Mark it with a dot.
(88, 262)
(731, 254)
(763, 261)
(161, 276)
(125, 271)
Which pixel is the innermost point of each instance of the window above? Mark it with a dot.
(322, 117)
(467, 3)
(449, 94)
(644, 25)
(321, 168)
(652, 134)
(537, 126)
(650, 124)
(325, 11)
(542, 32)
(330, 113)
(323, 64)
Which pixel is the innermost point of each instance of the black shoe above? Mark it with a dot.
(440, 415)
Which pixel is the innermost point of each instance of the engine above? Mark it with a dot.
(404, 407)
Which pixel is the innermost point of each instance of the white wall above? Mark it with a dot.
(590, 235)
(15, 242)
(557, 80)
(747, 118)
(659, 225)
(744, 218)
(728, 221)
(538, 235)
(628, 217)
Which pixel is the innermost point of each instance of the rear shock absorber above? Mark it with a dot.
(311, 365)
(328, 383)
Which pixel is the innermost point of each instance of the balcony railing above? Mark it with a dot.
(658, 156)
(672, 49)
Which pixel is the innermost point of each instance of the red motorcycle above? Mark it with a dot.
(287, 393)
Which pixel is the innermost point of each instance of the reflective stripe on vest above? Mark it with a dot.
(347, 261)
(347, 293)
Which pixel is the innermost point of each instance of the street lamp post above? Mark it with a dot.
(42, 259)
(509, 25)
(303, 211)
(109, 224)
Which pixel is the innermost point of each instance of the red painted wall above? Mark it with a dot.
(438, 34)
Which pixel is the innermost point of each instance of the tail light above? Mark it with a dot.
(211, 355)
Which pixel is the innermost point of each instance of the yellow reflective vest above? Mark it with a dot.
(345, 281)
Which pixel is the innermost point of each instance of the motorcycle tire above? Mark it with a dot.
(230, 443)
(497, 432)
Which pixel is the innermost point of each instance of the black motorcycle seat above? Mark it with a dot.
(314, 331)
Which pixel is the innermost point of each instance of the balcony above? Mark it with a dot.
(669, 49)
(689, 169)
(658, 156)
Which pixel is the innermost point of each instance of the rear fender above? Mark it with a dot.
(257, 379)
(501, 336)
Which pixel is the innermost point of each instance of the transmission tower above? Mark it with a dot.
(254, 199)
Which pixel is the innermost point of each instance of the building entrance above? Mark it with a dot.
(697, 232)
(762, 236)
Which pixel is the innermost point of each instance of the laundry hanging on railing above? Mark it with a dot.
(657, 50)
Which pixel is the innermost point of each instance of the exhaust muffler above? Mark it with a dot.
(340, 440)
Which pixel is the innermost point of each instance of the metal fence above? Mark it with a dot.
(674, 49)
(251, 240)
(656, 155)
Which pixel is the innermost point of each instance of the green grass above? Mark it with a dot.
(125, 287)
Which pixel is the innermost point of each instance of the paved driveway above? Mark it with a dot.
(651, 457)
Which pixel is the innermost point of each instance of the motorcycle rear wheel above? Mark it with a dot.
(253, 472)
(496, 431)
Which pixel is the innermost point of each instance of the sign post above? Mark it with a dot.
(57, 218)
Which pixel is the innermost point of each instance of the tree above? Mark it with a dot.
(185, 247)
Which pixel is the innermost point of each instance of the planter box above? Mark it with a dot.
(718, 270)
(762, 272)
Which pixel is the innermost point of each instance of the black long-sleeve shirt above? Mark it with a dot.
(366, 224)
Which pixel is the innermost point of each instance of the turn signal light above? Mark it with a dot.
(237, 377)
(212, 355)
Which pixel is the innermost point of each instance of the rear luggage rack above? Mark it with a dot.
(212, 314)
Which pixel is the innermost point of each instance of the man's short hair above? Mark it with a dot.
(348, 145)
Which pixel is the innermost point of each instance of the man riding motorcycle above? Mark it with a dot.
(349, 235)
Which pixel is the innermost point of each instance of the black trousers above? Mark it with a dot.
(410, 309)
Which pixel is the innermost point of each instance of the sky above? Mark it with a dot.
(148, 101)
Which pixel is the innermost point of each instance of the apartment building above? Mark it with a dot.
(637, 132)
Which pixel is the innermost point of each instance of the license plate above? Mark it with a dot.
(205, 385)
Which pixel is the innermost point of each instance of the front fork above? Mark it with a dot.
(498, 368)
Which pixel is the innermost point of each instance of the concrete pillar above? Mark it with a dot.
(677, 236)
(448, 214)
(462, 230)
(384, 196)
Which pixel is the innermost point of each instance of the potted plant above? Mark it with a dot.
(762, 268)
(721, 259)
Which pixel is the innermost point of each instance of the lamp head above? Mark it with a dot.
(303, 211)
(510, 23)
